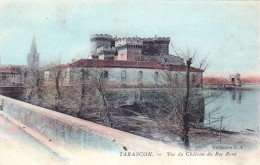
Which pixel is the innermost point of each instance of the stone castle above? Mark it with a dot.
(156, 49)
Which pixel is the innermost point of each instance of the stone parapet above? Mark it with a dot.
(157, 39)
(70, 132)
(95, 37)
(128, 41)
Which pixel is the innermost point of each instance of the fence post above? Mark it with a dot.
(258, 131)
(220, 129)
(209, 119)
(2, 104)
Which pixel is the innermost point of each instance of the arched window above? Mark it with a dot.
(123, 75)
(105, 74)
(156, 75)
(140, 76)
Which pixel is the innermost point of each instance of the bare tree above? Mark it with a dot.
(179, 107)
(97, 78)
(33, 83)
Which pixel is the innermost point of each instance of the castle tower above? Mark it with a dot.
(102, 43)
(156, 46)
(33, 58)
(129, 49)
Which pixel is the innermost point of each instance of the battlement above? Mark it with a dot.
(128, 38)
(105, 44)
(101, 37)
(128, 41)
(105, 50)
(157, 39)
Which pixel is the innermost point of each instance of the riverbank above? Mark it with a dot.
(200, 138)
(247, 86)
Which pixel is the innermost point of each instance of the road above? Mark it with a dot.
(18, 148)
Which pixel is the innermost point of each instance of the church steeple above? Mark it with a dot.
(33, 58)
(33, 46)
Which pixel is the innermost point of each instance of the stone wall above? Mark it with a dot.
(71, 131)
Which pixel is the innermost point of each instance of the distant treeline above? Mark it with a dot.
(226, 80)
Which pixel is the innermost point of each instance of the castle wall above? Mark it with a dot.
(99, 43)
(129, 54)
(151, 48)
(131, 76)
(122, 54)
(134, 54)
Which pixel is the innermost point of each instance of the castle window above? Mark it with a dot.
(105, 74)
(140, 76)
(156, 75)
(46, 75)
(85, 75)
(123, 75)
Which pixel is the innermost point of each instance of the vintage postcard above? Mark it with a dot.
(129, 82)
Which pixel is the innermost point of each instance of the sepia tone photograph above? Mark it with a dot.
(129, 82)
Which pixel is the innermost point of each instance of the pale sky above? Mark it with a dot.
(228, 32)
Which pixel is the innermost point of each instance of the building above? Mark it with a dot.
(128, 67)
(12, 75)
(126, 74)
(126, 62)
(156, 49)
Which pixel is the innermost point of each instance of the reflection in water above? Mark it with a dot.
(234, 95)
(238, 115)
(239, 96)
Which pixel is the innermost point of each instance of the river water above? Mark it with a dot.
(239, 108)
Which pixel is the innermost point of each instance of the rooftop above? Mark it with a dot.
(126, 64)
(10, 69)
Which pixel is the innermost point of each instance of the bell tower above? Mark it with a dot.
(33, 58)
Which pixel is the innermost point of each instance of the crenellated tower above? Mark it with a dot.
(154, 49)
(129, 49)
(101, 46)
(156, 46)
